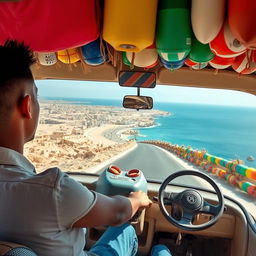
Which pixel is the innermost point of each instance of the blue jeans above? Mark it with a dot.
(122, 241)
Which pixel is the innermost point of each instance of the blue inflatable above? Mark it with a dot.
(92, 54)
(173, 65)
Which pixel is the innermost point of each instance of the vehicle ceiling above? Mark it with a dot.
(185, 76)
(41, 29)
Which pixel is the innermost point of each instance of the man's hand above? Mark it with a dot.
(142, 198)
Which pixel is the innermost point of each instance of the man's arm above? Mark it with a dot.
(113, 211)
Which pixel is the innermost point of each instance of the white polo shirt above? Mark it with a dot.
(38, 210)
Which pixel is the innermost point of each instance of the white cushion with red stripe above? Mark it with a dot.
(245, 63)
(226, 45)
(221, 63)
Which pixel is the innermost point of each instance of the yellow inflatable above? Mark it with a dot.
(68, 56)
(129, 25)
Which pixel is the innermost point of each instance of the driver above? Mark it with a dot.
(49, 211)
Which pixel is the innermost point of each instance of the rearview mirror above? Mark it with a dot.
(137, 79)
(137, 102)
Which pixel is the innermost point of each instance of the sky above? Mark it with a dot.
(161, 93)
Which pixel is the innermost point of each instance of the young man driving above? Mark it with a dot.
(49, 211)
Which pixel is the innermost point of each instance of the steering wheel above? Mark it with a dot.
(190, 202)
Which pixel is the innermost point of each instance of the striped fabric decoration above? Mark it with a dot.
(173, 56)
(137, 79)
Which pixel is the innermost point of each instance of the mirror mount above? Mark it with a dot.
(137, 79)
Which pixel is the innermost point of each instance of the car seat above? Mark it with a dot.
(13, 249)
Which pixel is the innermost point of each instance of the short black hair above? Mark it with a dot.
(15, 61)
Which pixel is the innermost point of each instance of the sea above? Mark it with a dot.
(224, 131)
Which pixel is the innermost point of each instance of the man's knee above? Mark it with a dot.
(160, 250)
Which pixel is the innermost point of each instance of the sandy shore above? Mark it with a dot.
(74, 152)
(76, 137)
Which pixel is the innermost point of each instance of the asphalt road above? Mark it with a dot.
(155, 163)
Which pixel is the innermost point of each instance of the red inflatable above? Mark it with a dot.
(226, 45)
(190, 63)
(49, 25)
(195, 65)
(246, 63)
(242, 21)
(221, 63)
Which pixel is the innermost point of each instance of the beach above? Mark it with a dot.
(77, 137)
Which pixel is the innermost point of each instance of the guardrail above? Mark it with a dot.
(234, 172)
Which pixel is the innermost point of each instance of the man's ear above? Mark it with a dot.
(25, 107)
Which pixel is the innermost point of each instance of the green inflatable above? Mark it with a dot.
(125, 59)
(174, 32)
(200, 53)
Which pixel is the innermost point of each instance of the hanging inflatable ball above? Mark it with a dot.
(147, 58)
(174, 32)
(246, 63)
(47, 58)
(221, 63)
(207, 18)
(200, 53)
(241, 17)
(225, 44)
(92, 53)
(129, 25)
(50, 26)
(172, 65)
(68, 56)
(195, 65)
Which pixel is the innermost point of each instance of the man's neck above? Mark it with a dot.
(11, 137)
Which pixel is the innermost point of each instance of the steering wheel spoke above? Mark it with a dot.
(170, 198)
(209, 208)
(186, 218)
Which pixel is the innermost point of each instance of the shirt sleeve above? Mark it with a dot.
(73, 201)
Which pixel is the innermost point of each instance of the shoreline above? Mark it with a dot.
(77, 137)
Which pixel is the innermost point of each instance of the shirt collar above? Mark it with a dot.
(11, 157)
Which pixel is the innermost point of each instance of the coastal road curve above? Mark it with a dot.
(155, 163)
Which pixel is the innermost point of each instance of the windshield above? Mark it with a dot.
(84, 128)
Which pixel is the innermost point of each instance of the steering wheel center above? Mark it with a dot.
(191, 200)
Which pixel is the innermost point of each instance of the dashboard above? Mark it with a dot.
(232, 226)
